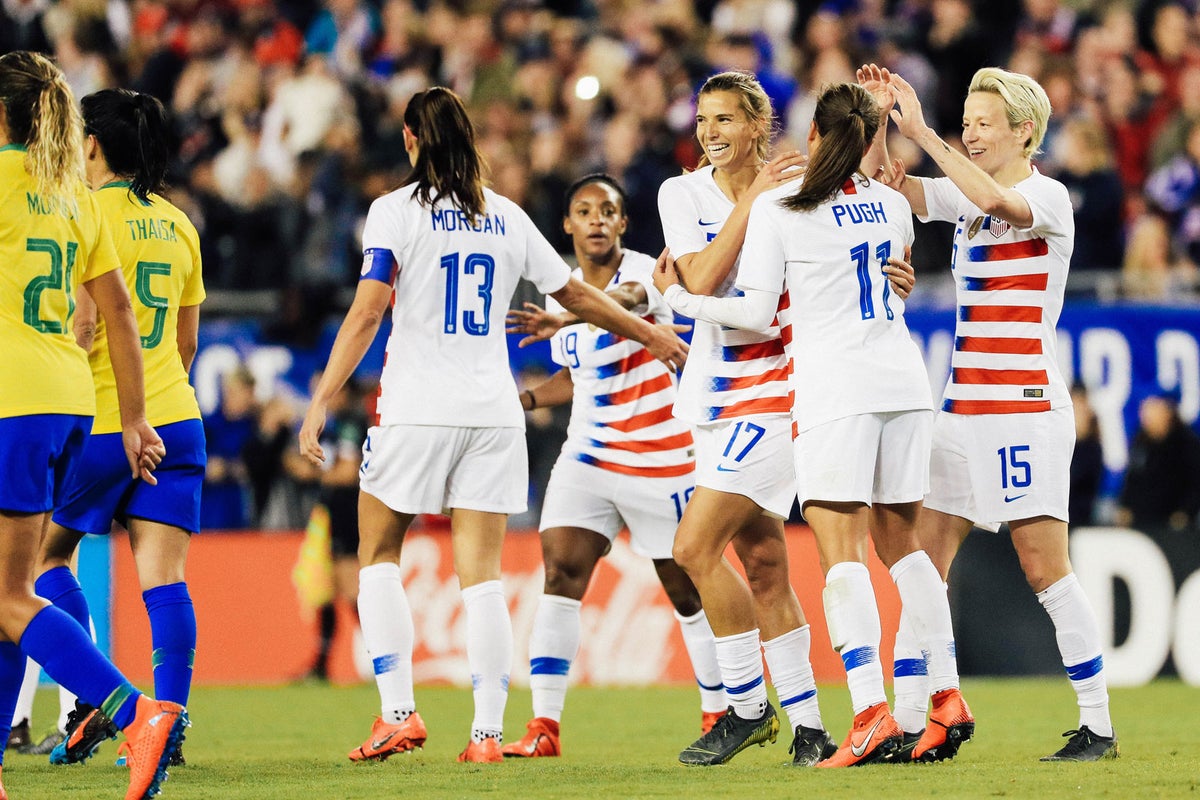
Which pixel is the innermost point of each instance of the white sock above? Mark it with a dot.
(792, 675)
(387, 628)
(29, 684)
(358, 652)
(66, 704)
(740, 657)
(702, 650)
(1078, 637)
(489, 655)
(923, 597)
(911, 677)
(854, 629)
(552, 647)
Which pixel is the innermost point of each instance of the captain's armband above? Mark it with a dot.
(378, 265)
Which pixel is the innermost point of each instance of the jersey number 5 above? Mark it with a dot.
(59, 279)
(146, 269)
(476, 323)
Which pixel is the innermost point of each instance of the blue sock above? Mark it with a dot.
(12, 672)
(173, 634)
(69, 657)
(60, 586)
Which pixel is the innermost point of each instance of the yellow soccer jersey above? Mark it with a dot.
(160, 259)
(49, 245)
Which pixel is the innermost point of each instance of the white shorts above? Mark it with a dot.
(430, 469)
(751, 457)
(993, 468)
(582, 496)
(866, 458)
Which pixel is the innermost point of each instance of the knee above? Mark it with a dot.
(565, 579)
(690, 552)
(1042, 572)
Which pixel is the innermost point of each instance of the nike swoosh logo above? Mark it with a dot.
(378, 743)
(859, 749)
(706, 224)
(1008, 499)
(722, 468)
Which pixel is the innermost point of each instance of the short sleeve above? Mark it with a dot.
(103, 256)
(679, 215)
(544, 267)
(1051, 207)
(942, 199)
(763, 257)
(193, 289)
(382, 228)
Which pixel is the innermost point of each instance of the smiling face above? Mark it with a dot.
(991, 143)
(595, 220)
(729, 137)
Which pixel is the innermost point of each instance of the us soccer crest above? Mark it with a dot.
(997, 227)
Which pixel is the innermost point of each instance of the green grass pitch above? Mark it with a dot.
(290, 743)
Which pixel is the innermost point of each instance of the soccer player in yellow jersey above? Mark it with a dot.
(51, 242)
(126, 149)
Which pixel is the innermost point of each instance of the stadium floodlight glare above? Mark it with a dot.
(587, 87)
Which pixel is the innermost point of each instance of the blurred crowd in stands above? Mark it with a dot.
(289, 116)
(289, 111)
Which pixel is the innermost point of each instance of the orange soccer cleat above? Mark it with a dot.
(873, 736)
(485, 752)
(950, 724)
(387, 740)
(708, 719)
(540, 741)
(156, 731)
(3, 794)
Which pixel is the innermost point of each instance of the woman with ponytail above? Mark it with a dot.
(127, 146)
(861, 413)
(52, 241)
(450, 433)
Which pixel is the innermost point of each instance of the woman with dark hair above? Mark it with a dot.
(862, 414)
(626, 462)
(450, 433)
(127, 146)
(52, 240)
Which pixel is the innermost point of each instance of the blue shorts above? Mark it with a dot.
(102, 490)
(38, 453)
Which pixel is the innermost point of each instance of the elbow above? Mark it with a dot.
(85, 336)
(993, 203)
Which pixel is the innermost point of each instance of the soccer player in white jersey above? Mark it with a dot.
(450, 435)
(862, 414)
(1003, 440)
(626, 462)
(735, 394)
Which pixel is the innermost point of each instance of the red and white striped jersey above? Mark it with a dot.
(1010, 285)
(621, 418)
(730, 373)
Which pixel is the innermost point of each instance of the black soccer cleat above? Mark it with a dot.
(729, 736)
(18, 736)
(1084, 745)
(87, 728)
(810, 746)
(904, 754)
(43, 748)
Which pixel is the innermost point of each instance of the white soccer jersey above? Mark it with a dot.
(730, 373)
(447, 356)
(1010, 287)
(621, 418)
(851, 351)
